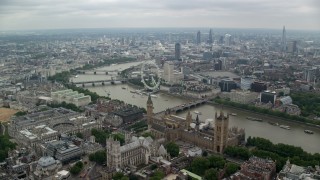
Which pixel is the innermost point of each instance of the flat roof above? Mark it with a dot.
(191, 174)
(219, 74)
(63, 172)
(45, 98)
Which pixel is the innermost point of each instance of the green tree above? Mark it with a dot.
(204, 153)
(70, 106)
(211, 174)
(148, 134)
(100, 135)
(5, 146)
(119, 137)
(153, 167)
(173, 149)
(281, 93)
(158, 175)
(120, 176)
(79, 135)
(20, 113)
(100, 157)
(237, 152)
(133, 177)
(216, 162)
(231, 168)
(62, 77)
(199, 165)
(77, 168)
(281, 152)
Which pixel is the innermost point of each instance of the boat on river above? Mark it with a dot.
(285, 127)
(197, 112)
(273, 123)
(254, 119)
(308, 131)
(233, 114)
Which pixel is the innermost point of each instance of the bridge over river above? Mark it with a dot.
(100, 82)
(185, 106)
(99, 72)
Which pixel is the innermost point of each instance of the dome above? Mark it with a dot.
(46, 161)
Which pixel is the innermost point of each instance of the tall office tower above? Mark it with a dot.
(210, 40)
(168, 69)
(177, 51)
(227, 40)
(198, 37)
(284, 40)
(221, 40)
(292, 47)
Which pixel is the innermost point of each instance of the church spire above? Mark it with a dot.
(149, 100)
(188, 120)
(197, 123)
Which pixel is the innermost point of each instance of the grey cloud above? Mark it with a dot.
(163, 13)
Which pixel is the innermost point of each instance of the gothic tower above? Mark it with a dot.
(197, 123)
(188, 120)
(149, 111)
(127, 137)
(113, 153)
(220, 132)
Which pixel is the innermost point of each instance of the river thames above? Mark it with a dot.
(295, 136)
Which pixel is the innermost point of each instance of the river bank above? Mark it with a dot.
(264, 114)
(164, 100)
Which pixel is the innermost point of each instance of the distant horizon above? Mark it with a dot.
(173, 28)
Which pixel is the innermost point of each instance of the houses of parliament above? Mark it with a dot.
(166, 127)
(171, 127)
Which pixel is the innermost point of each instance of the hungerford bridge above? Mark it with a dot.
(100, 82)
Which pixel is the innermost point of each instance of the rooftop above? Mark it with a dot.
(43, 115)
(127, 112)
(220, 74)
(191, 174)
(46, 161)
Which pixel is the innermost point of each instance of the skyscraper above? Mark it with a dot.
(198, 40)
(227, 40)
(177, 51)
(168, 70)
(210, 39)
(284, 40)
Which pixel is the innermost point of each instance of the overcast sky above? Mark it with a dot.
(59, 14)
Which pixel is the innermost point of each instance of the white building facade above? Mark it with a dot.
(70, 96)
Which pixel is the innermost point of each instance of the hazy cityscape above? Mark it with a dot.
(191, 100)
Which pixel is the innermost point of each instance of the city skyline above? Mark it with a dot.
(299, 14)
